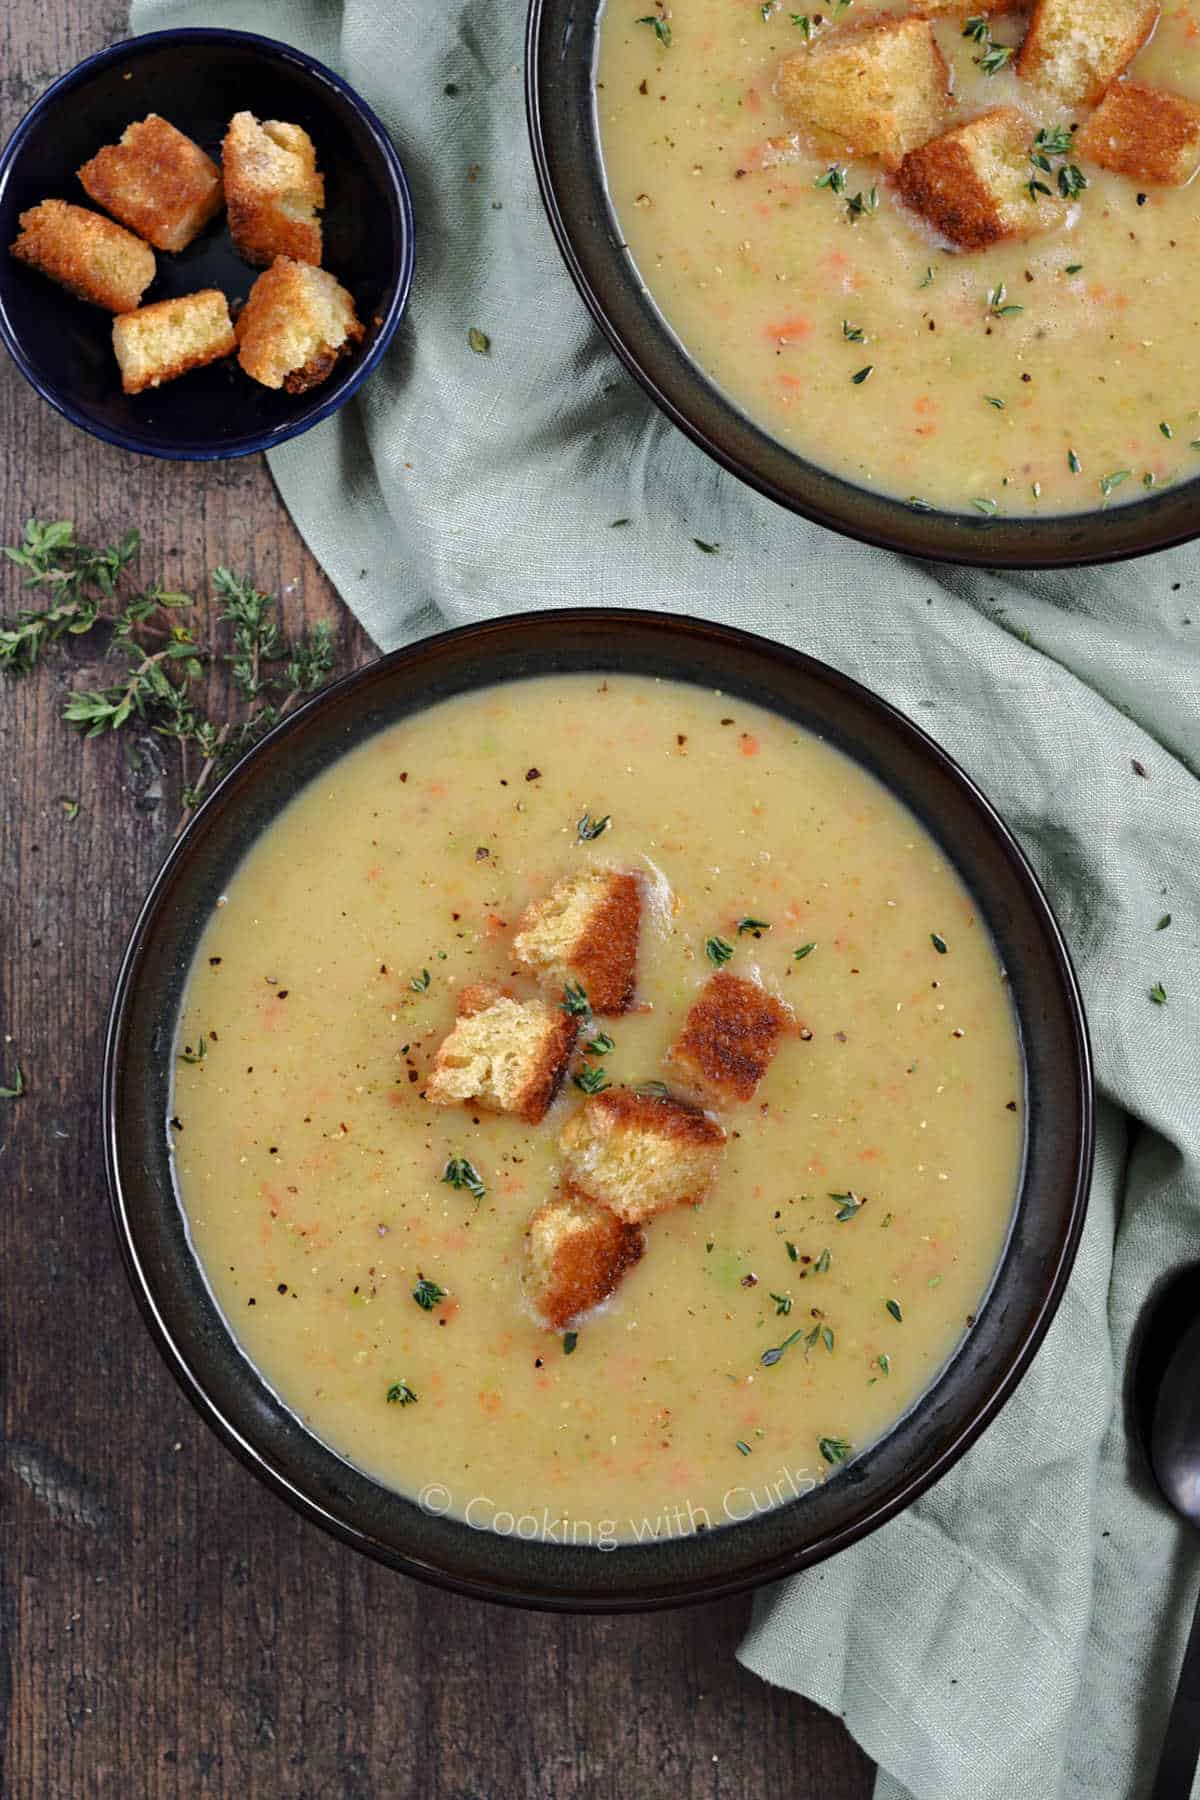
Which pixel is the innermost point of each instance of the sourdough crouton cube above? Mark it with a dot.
(576, 1252)
(1075, 48)
(639, 1154)
(506, 1055)
(1143, 132)
(296, 323)
(882, 87)
(159, 342)
(91, 257)
(972, 184)
(730, 1037)
(273, 191)
(156, 181)
(586, 930)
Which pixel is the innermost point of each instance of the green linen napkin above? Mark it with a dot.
(1015, 1635)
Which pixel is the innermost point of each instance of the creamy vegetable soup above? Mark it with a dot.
(369, 1247)
(1048, 373)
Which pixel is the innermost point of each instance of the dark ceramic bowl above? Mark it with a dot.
(198, 80)
(563, 127)
(198, 1343)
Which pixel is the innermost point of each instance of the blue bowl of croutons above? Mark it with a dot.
(210, 244)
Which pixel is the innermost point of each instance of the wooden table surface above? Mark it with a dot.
(168, 1627)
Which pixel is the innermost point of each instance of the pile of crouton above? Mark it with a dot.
(626, 1154)
(883, 89)
(164, 189)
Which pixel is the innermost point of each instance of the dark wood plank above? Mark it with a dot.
(168, 1628)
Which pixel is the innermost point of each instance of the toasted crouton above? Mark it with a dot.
(640, 1153)
(586, 930)
(882, 87)
(159, 342)
(1075, 48)
(576, 1253)
(273, 191)
(89, 256)
(730, 1037)
(972, 183)
(156, 181)
(295, 325)
(506, 1055)
(1143, 132)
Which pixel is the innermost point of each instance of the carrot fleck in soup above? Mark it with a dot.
(599, 1107)
(949, 258)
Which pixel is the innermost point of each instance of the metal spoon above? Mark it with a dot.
(1172, 1434)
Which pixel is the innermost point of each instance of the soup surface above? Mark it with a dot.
(1060, 373)
(862, 1200)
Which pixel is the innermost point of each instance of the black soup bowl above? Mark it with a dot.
(560, 92)
(197, 1341)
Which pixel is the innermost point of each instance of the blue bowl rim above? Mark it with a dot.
(288, 52)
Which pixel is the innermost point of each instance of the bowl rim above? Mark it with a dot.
(680, 389)
(171, 1339)
(251, 444)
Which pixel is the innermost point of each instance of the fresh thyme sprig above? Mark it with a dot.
(80, 579)
(158, 659)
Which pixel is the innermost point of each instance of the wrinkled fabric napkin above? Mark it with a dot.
(1014, 1635)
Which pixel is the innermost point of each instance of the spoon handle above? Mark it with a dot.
(1181, 1747)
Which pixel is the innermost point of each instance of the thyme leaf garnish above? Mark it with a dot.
(588, 828)
(460, 1173)
(999, 306)
(662, 29)
(769, 1358)
(590, 1080)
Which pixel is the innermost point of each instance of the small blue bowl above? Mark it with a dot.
(198, 80)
